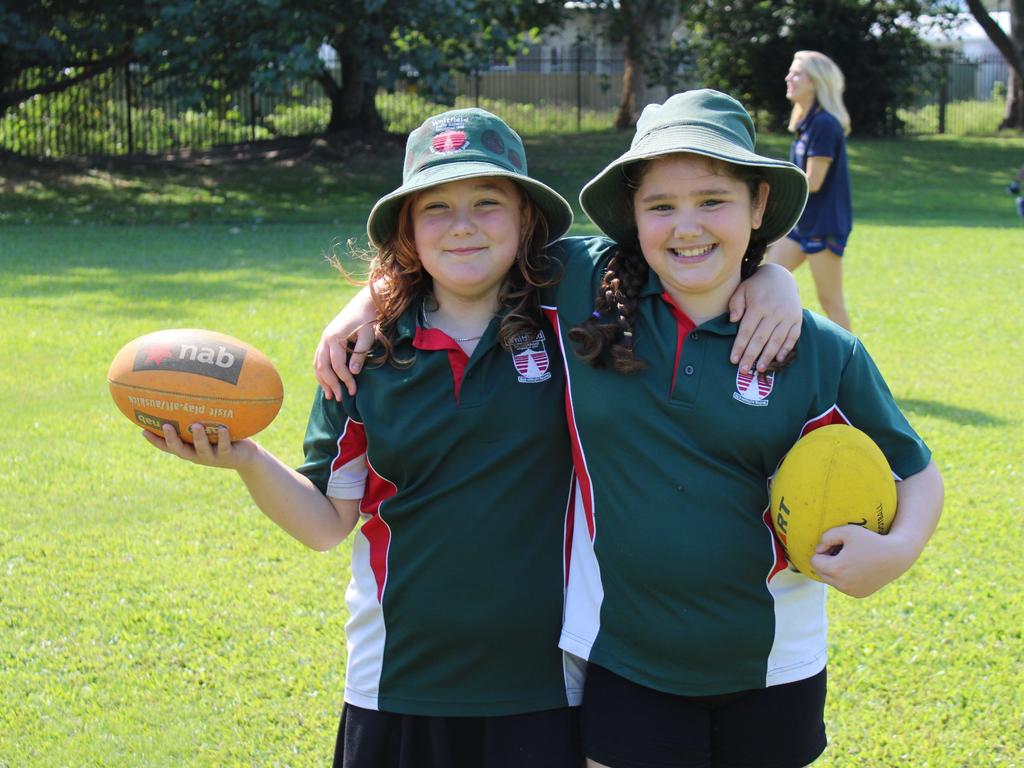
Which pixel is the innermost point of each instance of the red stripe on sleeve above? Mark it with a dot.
(832, 416)
(351, 444)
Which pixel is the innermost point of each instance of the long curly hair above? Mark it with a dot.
(606, 338)
(397, 280)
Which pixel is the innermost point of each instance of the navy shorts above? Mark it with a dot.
(626, 725)
(818, 243)
(371, 739)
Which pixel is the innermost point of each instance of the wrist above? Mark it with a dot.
(247, 456)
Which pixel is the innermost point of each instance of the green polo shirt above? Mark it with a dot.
(458, 568)
(676, 580)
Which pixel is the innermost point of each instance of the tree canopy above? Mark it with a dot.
(746, 46)
(62, 43)
(211, 46)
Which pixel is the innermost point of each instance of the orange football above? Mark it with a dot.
(184, 376)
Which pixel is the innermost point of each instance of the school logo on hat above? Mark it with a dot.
(449, 141)
(754, 388)
(531, 358)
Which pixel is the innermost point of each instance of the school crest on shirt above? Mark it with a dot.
(753, 388)
(531, 358)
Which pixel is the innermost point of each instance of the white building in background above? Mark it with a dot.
(579, 45)
(580, 38)
(970, 42)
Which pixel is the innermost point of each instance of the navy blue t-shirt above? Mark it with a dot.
(829, 211)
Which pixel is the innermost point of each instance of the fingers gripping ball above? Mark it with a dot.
(833, 476)
(184, 376)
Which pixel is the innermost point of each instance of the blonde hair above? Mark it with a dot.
(829, 84)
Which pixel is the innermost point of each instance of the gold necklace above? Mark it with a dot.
(427, 324)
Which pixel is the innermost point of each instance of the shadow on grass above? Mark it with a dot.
(923, 182)
(148, 268)
(935, 181)
(951, 413)
(313, 187)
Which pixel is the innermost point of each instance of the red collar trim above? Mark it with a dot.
(434, 339)
(683, 327)
(686, 324)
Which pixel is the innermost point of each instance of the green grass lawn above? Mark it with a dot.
(151, 616)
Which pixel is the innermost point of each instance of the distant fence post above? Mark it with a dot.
(944, 64)
(128, 105)
(252, 113)
(579, 87)
(476, 86)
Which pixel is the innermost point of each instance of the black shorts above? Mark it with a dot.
(626, 725)
(371, 739)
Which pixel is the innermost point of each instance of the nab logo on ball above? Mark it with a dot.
(198, 355)
(155, 422)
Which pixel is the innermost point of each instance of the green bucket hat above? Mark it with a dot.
(465, 144)
(704, 122)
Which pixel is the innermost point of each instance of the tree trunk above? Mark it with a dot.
(630, 47)
(353, 102)
(1012, 48)
(624, 118)
(1013, 117)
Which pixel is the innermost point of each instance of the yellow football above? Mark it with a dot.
(834, 475)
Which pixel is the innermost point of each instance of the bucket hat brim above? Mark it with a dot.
(607, 198)
(383, 219)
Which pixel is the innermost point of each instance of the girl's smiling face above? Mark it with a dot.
(694, 222)
(467, 234)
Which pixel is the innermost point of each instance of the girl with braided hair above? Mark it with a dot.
(703, 644)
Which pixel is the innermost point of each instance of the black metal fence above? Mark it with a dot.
(958, 95)
(121, 112)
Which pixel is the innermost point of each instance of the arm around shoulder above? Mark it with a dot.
(767, 304)
(332, 364)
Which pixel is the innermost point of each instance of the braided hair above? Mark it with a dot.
(606, 338)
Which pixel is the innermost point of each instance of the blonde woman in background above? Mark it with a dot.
(821, 123)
